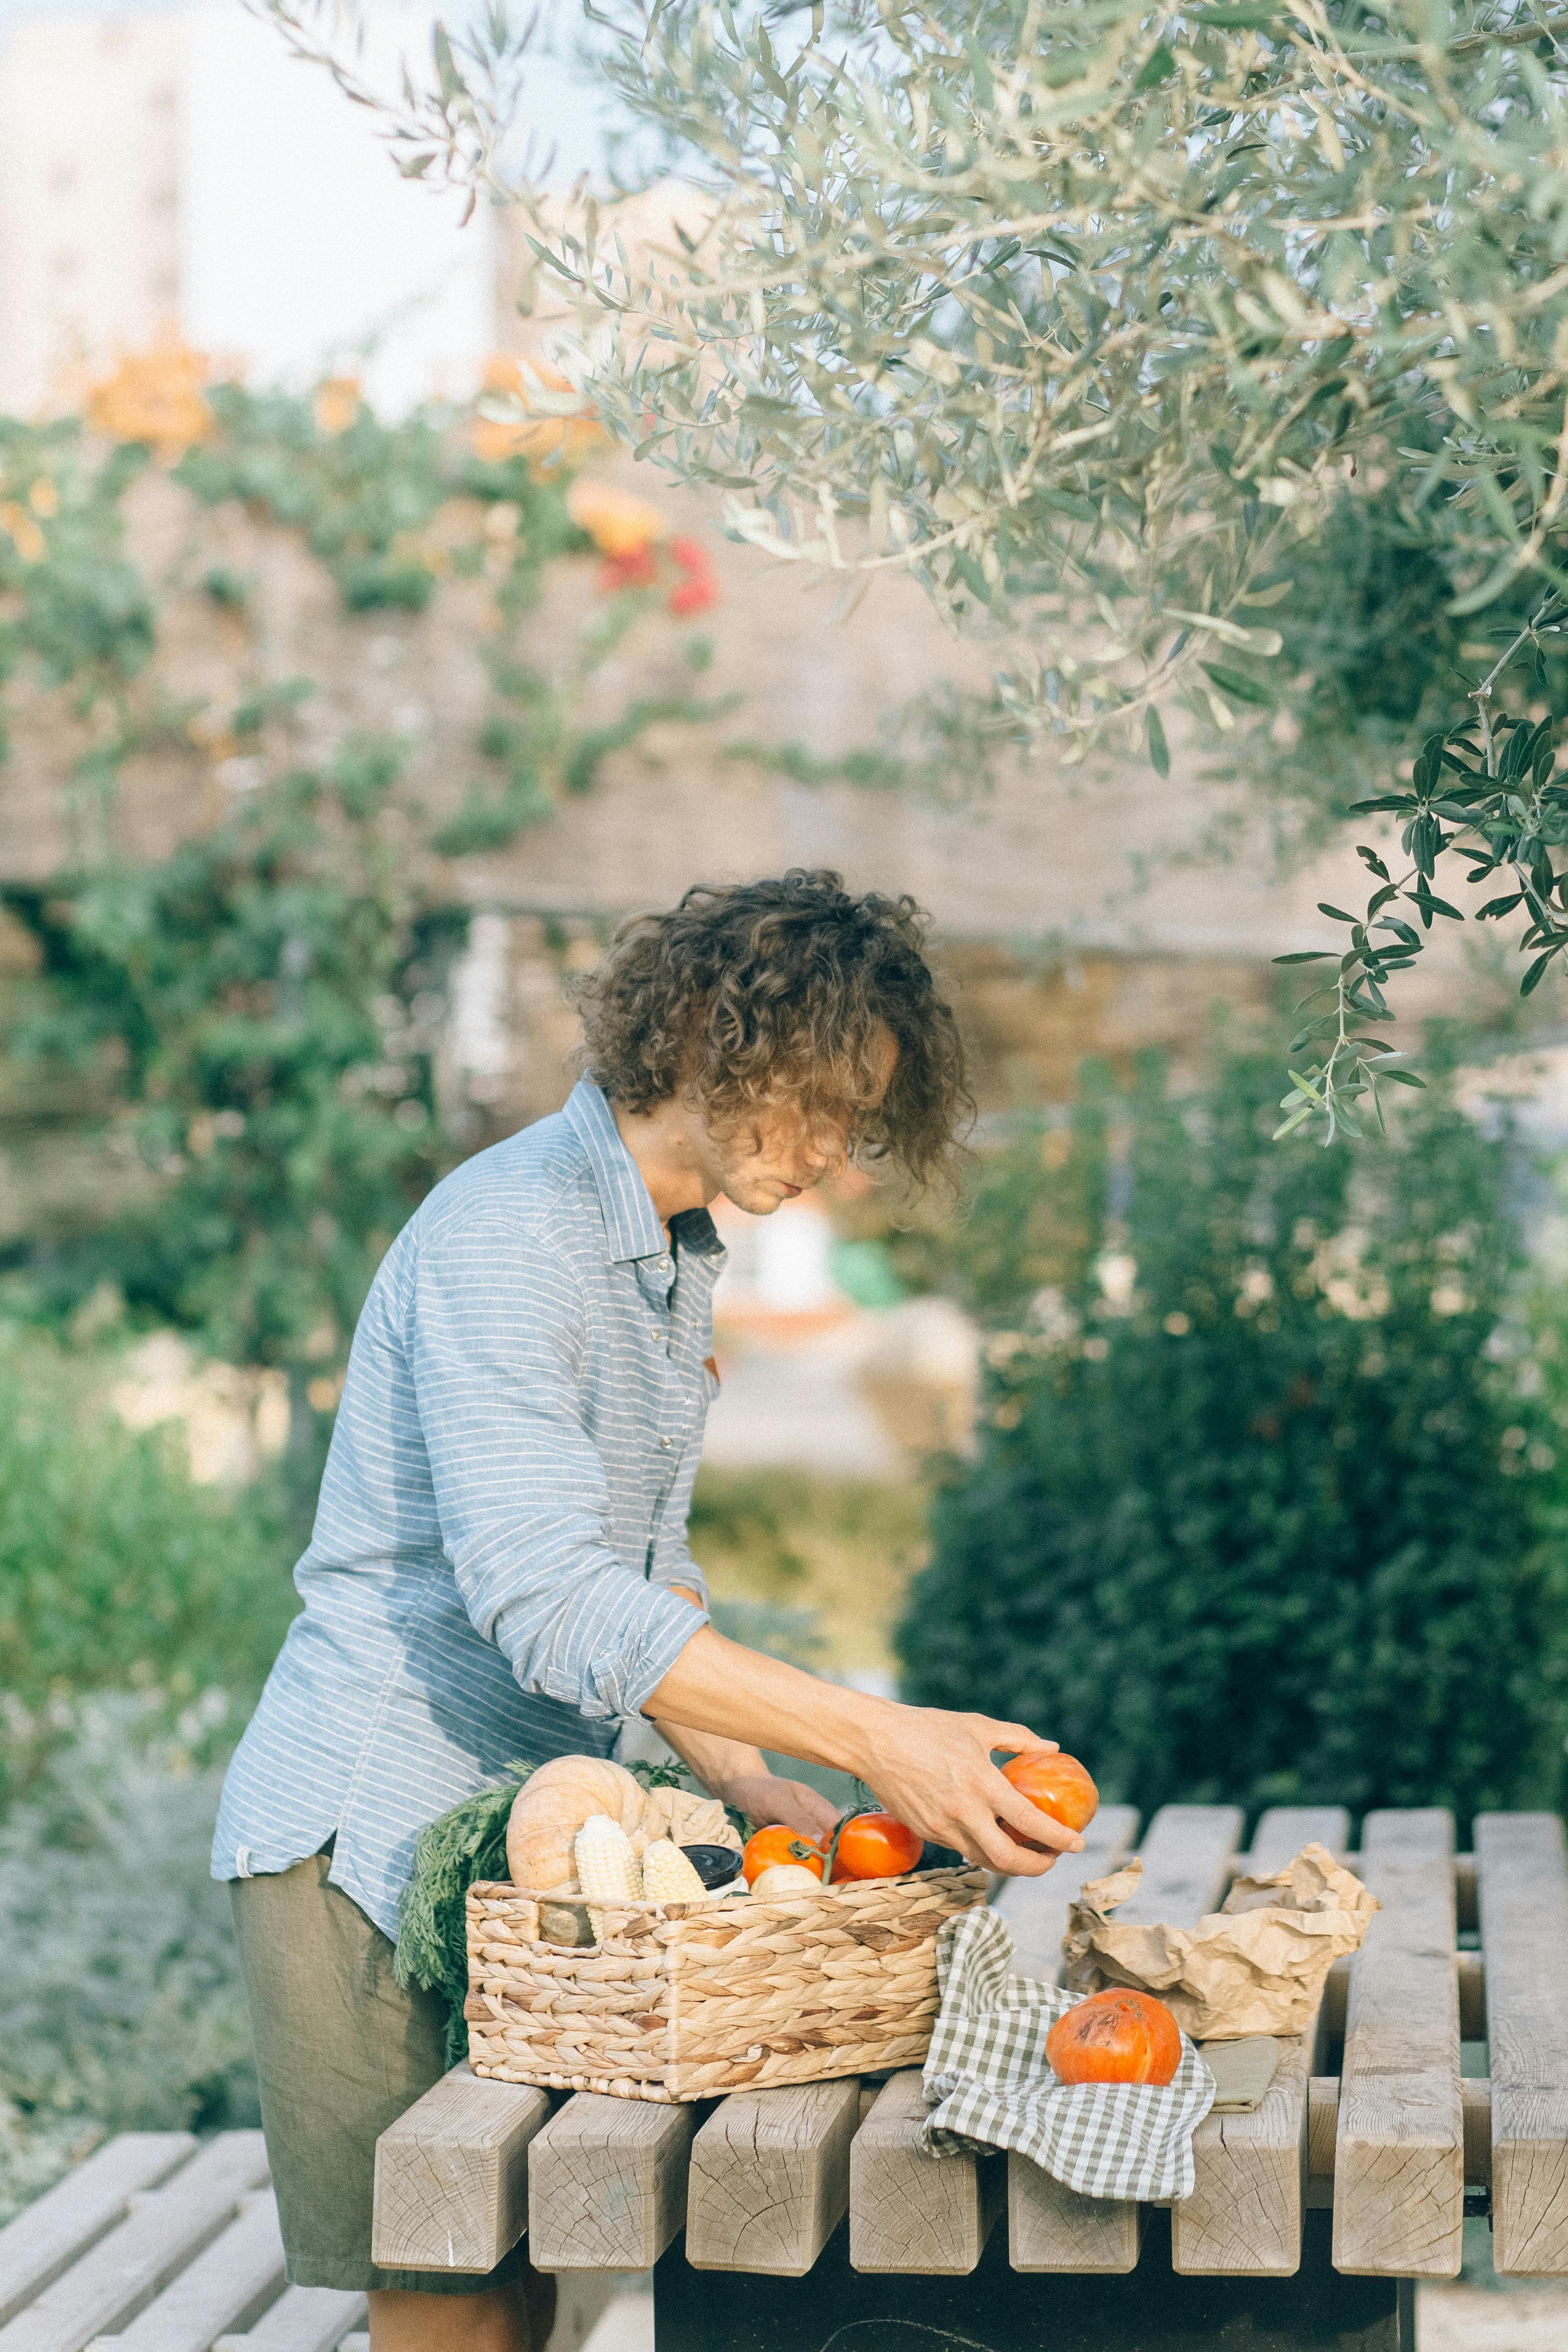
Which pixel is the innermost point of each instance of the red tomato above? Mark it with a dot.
(1058, 1784)
(779, 1844)
(875, 1845)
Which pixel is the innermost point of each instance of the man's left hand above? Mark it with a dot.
(766, 1798)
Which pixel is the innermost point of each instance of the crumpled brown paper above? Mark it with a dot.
(1256, 1965)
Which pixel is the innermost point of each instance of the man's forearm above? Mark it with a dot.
(718, 1763)
(934, 1769)
(717, 1687)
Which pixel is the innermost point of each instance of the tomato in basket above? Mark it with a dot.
(779, 1844)
(875, 1845)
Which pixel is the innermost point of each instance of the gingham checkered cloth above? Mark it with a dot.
(990, 2086)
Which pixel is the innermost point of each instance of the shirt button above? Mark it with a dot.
(666, 1442)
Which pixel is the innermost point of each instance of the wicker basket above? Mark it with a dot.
(686, 2000)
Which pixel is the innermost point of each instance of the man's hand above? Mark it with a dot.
(738, 1775)
(932, 1768)
(765, 1797)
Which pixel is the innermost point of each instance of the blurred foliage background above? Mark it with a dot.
(1267, 1494)
(1266, 1501)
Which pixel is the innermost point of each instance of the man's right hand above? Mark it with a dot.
(930, 1767)
(934, 1769)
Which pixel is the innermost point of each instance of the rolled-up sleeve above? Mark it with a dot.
(495, 1339)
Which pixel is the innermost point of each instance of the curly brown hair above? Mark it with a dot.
(757, 995)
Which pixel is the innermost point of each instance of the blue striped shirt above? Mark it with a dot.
(504, 1503)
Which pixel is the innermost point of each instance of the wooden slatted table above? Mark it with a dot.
(774, 2220)
(778, 2218)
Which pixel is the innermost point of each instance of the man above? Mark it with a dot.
(499, 1566)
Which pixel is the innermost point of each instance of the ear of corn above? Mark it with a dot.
(606, 1866)
(668, 1877)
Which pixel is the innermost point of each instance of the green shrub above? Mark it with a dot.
(1258, 1507)
(114, 1567)
(121, 2002)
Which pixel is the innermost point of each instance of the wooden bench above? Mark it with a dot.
(1311, 2218)
(158, 2244)
(780, 2218)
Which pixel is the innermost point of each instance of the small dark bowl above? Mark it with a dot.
(715, 1865)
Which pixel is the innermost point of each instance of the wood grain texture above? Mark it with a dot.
(67, 2219)
(451, 2183)
(607, 2183)
(1399, 2160)
(104, 2289)
(1051, 2228)
(1322, 2125)
(303, 2319)
(1522, 1901)
(1284, 1830)
(1186, 1853)
(1187, 1860)
(913, 2212)
(1244, 2216)
(229, 2284)
(769, 2179)
(1036, 1910)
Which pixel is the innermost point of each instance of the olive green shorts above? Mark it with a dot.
(341, 2050)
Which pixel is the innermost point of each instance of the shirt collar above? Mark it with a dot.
(632, 1226)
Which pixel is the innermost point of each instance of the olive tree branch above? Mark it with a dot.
(1493, 802)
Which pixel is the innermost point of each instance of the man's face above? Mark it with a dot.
(782, 1155)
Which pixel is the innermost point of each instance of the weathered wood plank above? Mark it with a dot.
(1522, 1900)
(607, 2184)
(1475, 2100)
(1322, 2125)
(769, 2179)
(1036, 1910)
(231, 2283)
(1186, 1855)
(106, 2287)
(910, 2211)
(450, 2188)
(1244, 2217)
(77, 2212)
(1399, 2160)
(1186, 1871)
(1284, 1830)
(303, 2319)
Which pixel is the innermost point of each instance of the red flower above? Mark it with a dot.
(638, 568)
(691, 555)
(693, 595)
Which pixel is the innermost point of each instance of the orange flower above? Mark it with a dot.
(154, 396)
(337, 404)
(23, 531)
(617, 524)
(541, 439)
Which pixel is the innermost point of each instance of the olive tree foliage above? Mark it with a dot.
(1092, 314)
